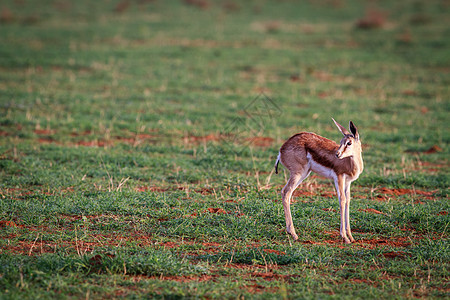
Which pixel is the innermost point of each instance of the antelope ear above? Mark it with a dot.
(354, 130)
(341, 128)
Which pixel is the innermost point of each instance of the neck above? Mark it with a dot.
(358, 162)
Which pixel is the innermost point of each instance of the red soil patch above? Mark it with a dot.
(81, 246)
(84, 133)
(145, 136)
(357, 280)
(295, 78)
(170, 245)
(212, 244)
(314, 189)
(8, 224)
(126, 140)
(202, 4)
(429, 164)
(252, 268)
(151, 189)
(261, 141)
(42, 246)
(30, 248)
(200, 139)
(382, 198)
(89, 217)
(188, 278)
(205, 191)
(255, 288)
(322, 95)
(274, 251)
(269, 276)
(44, 131)
(433, 149)
(328, 194)
(336, 241)
(374, 18)
(371, 210)
(46, 141)
(19, 192)
(305, 193)
(231, 201)
(134, 140)
(409, 93)
(400, 192)
(94, 143)
(215, 210)
(329, 209)
(394, 242)
(220, 211)
(4, 133)
(396, 254)
(442, 213)
(99, 142)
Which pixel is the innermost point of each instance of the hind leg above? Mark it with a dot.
(294, 181)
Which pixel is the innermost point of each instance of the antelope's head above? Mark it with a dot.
(350, 144)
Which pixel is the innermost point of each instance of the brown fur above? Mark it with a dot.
(322, 150)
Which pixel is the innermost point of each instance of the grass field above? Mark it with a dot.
(138, 138)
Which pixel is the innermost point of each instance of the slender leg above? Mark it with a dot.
(294, 180)
(339, 183)
(347, 213)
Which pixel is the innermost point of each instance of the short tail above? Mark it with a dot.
(276, 163)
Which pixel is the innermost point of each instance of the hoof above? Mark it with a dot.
(293, 235)
(346, 240)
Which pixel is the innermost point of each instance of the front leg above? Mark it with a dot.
(347, 213)
(339, 182)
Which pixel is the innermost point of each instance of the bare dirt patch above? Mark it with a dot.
(384, 194)
(393, 242)
(396, 254)
(44, 131)
(151, 189)
(272, 251)
(371, 210)
(314, 190)
(8, 224)
(431, 167)
(261, 141)
(170, 245)
(216, 210)
(400, 192)
(433, 149)
(202, 139)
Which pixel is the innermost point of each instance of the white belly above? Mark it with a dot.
(319, 169)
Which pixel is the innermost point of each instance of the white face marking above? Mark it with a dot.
(321, 170)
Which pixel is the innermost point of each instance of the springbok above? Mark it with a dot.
(306, 152)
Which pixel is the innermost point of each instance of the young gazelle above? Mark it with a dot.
(306, 152)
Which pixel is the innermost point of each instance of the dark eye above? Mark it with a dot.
(349, 143)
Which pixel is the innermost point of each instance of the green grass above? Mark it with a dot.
(137, 145)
